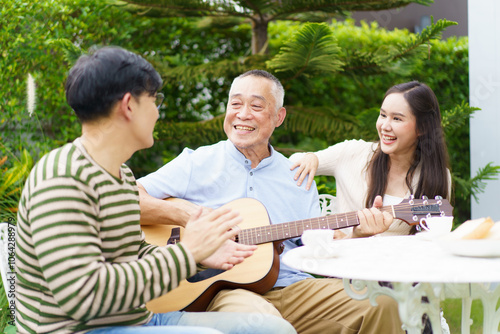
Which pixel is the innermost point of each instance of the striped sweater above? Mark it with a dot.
(82, 262)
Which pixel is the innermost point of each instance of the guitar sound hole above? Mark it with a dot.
(205, 274)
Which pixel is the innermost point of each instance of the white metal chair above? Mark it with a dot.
(328, 204)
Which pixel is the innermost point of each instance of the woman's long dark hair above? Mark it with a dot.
(431, 152)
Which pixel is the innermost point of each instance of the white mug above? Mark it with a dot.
(437, 225)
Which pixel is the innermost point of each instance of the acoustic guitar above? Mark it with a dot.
(259, 272)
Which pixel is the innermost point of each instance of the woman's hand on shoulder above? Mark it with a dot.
(308, 165)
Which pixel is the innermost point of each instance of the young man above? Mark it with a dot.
(82, 262)
(246, 165)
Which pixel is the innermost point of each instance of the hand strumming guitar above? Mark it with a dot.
(208, 238)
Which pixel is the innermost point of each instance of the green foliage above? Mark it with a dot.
(475, 185)
(222, 68)
(455, 119)
(12, 180)
(311, 52)
(197, 61)
(10, 329)
(322, 121)
(194, 133)
(275, 10)
(259, 12)
(71, 51)
(399, 57)
(23, 38)
(11, 183)
(452, 311)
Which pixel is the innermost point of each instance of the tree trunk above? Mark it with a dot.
(259, 35)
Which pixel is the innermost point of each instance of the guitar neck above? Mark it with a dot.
(263, 234)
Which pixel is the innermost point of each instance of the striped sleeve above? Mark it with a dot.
(68, 245)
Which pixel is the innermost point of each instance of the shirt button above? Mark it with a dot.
(246, 161)
(251, 188)
(251, 173)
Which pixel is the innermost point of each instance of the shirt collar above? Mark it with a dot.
(240, 157)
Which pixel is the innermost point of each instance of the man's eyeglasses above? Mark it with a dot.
(159, 100)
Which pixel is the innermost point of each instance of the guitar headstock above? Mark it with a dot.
(412, 210)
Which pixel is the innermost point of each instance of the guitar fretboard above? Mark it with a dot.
(263, 234)
(408, 212)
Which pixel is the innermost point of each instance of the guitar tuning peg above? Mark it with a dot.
(411, 202)
(439, 199)
(425, 198)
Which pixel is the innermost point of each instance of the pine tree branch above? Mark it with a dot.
(457, 117)
(192, 133)
(320, 121)
(182, 8)
(313, 50)
(71, 51)
(265, 10)
(474, 186)
(396, 58)
(285, 10)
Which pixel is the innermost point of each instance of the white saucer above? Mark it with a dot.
(472, 248)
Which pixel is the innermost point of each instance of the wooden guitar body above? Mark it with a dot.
(259, 273)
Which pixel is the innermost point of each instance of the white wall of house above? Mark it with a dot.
(484, 78)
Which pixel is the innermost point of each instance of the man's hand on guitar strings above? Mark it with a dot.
(372, 221)
(205, 234)
(229, 255)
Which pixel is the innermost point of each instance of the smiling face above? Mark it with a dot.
(252, 115)
(397, 127)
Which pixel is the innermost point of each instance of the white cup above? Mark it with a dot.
(437, 225)
(317, 237)
(320, 243)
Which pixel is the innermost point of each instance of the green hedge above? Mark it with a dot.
(26, 38)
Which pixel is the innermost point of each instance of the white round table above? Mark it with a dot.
(404, 261)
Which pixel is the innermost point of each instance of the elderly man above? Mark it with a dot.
(246, 165)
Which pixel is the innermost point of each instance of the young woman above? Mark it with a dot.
(409, 158)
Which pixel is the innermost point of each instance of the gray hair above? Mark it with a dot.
(278, 91)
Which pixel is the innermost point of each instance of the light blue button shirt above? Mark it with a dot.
(214, 175)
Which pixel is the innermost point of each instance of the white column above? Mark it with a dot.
(484, 80)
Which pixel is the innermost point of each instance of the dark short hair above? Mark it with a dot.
(98, 80)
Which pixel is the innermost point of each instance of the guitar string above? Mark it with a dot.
(268, 233)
